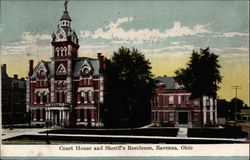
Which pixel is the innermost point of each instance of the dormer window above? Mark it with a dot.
(42, 73)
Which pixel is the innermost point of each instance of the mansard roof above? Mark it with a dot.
(94, 63)
(169, 82)
(47, 65)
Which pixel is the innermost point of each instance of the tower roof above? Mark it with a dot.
(65, 16)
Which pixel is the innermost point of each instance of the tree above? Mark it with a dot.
(202, 75)
(129, 87)
(228, 109)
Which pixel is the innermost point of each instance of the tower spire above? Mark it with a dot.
(65, 5)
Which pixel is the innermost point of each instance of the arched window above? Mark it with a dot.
(42, 72)
(89, 96)
(44, 97)
(61, 70)
(57, 51)
(38, 100)
(65, 51)
(82, 97)
(62, 51)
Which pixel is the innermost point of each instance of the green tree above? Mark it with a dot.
(129, 87)
(202, 75)
(228, 109)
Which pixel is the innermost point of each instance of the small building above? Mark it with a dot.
(172, 106)
(68, 90)
(13, 98)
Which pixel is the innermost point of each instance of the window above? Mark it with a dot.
(38, 100)
(44, 98)
(89, 96)
(38, 114)
(82, 115)
(63, 97)
(208, 117)
(171, 116)
(43, 112)
(82, 97)
(196, 117)
(207, 102)
(62, 51)
(42, 73)
(61, 70)
(57, 51)
(171, 99)
(179, 99)
(196, 102)
(58, 97)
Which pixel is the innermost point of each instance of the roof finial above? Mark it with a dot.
(65, 4)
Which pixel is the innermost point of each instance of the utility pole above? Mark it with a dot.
(236, 91)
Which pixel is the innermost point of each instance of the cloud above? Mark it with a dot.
(32, 38)
(231, 50)
(93, 46)
(120, 42)
(175, 43)
(237, 48)
(231, 34)
(114, 31)
(177, 48)
(29, 43)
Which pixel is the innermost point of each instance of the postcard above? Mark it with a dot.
(124, 79)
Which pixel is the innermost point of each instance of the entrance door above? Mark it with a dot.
(55, 118)
(183, 117)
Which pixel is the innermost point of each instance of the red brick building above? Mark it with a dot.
(67, 90)
(172, 105)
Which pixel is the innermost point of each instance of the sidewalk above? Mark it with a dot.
(182, 132)
(7, 133)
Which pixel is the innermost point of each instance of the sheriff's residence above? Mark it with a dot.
(172, 106)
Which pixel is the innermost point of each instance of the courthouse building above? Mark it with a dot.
(67, 90)
(172, 105)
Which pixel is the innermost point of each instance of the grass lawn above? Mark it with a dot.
(228, 132)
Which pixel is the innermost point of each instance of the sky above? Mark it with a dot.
(166, 32)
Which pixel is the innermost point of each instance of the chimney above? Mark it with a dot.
(15, 76)
(101, 61)
(4, 67)
(30, 67)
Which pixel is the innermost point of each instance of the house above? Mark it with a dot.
(67, 90)
(172, 106)
(13, 98)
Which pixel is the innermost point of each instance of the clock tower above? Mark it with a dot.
(64, 52)
(68, 90)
